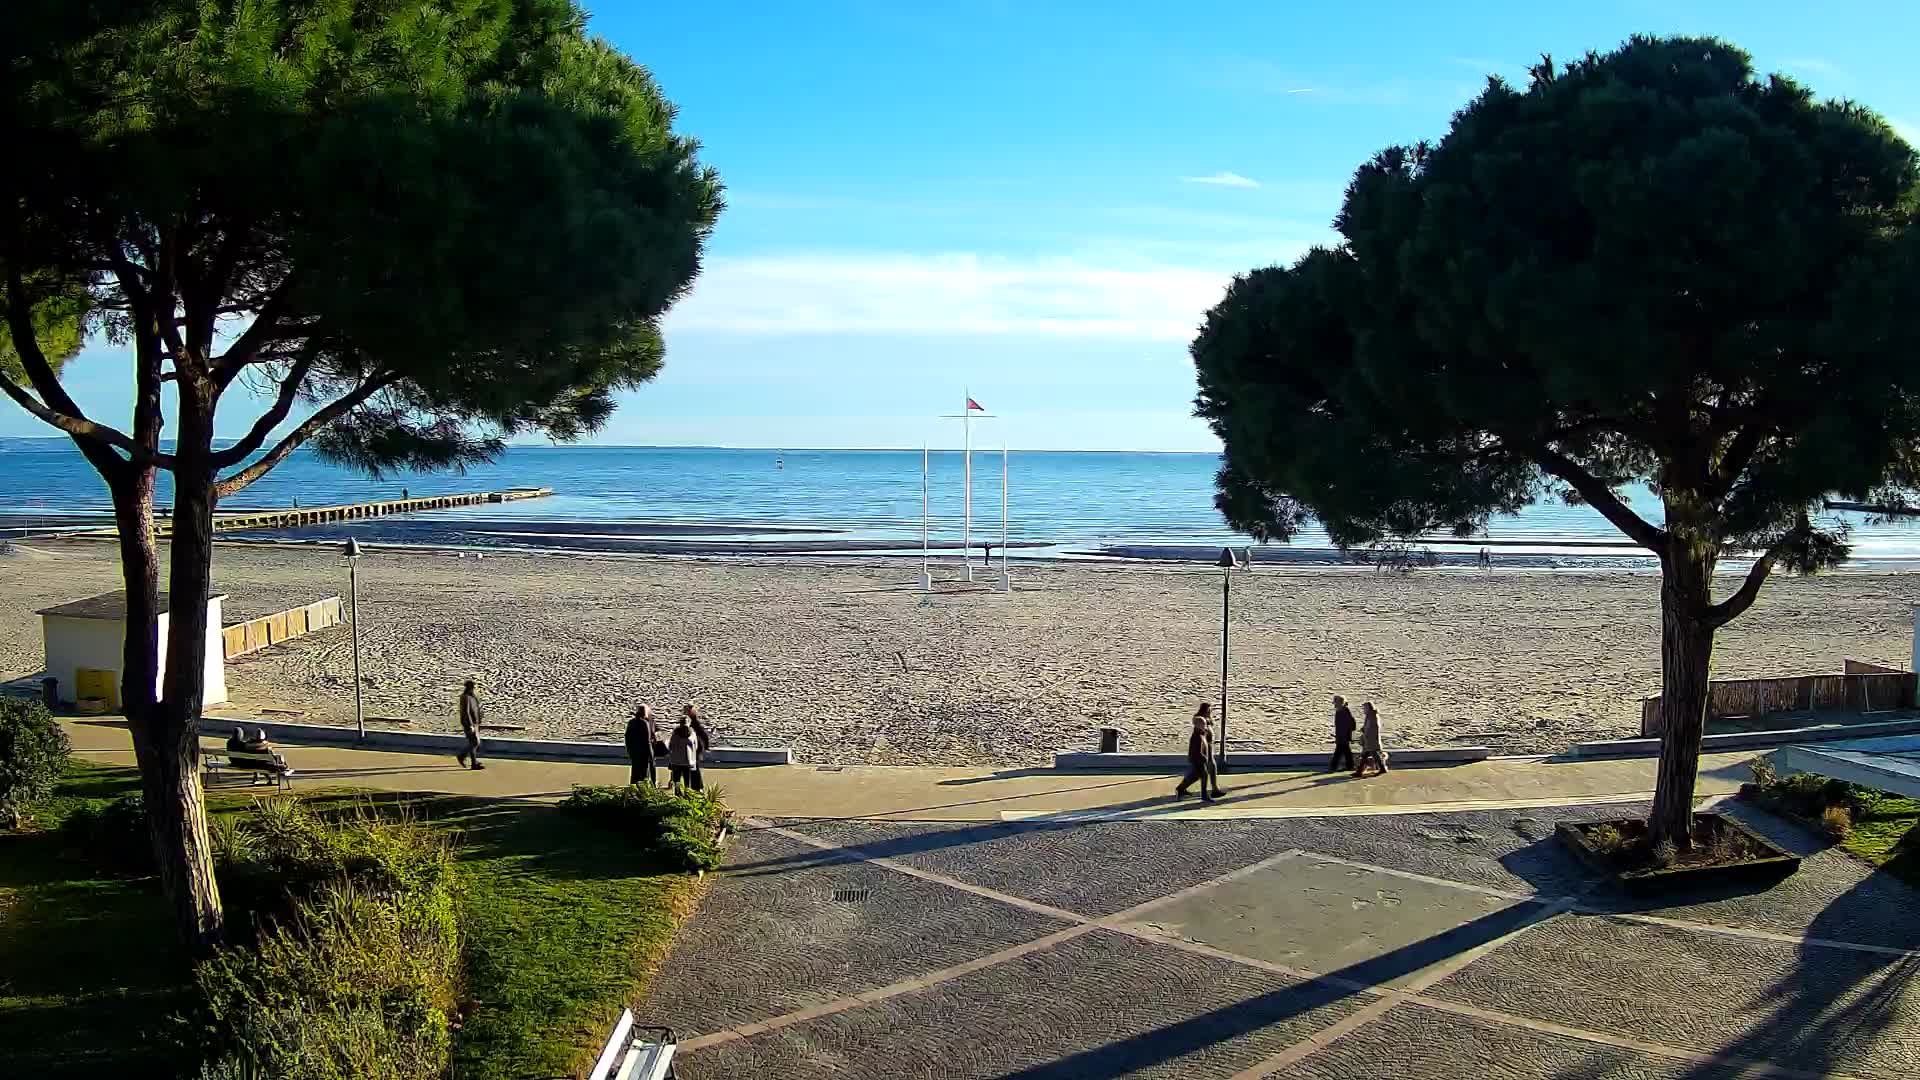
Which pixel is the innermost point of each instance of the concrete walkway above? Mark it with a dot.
(912, 793)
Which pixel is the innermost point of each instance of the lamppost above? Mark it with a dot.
(1226, 594)
(352, 551)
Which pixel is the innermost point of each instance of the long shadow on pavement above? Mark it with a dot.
(1189, 1036)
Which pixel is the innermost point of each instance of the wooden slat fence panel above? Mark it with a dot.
(1877, 691)
(256, 634)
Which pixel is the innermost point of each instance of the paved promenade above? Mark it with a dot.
(908, 793)
(1026, 925)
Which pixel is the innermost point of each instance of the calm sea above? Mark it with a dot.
(689, 500)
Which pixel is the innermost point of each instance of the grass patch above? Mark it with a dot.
(1878, 832)
(564, 924)
(1873, 825)
(89, 967)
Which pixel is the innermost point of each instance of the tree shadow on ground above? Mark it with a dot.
(1167, 1044)
(1823, 1015)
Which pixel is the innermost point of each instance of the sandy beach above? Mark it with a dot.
(849, 663)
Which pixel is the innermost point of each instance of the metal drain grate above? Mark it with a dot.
(851, 896)
(829, 768)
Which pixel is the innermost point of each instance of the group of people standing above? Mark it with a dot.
(682, 749)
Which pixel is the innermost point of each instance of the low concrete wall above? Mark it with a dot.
(430, 742)
(1279, 759)
(1749, 740)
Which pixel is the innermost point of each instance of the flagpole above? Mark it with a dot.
(966, 528)
(1006, 580)
(926, 464)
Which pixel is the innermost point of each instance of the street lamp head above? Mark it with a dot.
(1227, 561)
(352, 548)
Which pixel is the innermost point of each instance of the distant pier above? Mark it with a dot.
(299, 517)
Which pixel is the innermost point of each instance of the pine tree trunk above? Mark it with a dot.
(177, 813)
(1686, 662)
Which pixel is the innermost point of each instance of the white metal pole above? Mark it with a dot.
(926, 467)
(1006, 580)
(966, 528)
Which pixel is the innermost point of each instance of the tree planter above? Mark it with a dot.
(1744, 856)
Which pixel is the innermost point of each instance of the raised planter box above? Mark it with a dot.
(1277, 759)
(1750, 740)
(539, 749)
(1774, 866)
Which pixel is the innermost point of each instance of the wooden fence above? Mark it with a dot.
(256, 634)
(1864, 688)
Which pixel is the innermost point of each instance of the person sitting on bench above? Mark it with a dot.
(242, 743)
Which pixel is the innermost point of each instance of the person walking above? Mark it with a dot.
(1370, 741)
(471, 716)
(1343, 726)
(683, 754)
(1200, 765)
(641, 740)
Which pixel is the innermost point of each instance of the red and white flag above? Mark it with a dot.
(974, 406)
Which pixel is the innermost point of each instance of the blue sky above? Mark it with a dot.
(1037, 201)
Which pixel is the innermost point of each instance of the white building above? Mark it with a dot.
(85, 641)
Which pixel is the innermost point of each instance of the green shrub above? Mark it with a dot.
(282, 852)
(355, 986)
(1605, 839)
(680, 825)
(353, 969)
(33, 751)
(113, 832)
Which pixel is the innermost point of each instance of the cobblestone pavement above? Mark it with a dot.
(1419, 946)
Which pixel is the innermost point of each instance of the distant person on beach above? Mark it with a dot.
(641, 742)
(683, 753)
(1342, 735)
(471, 716)
(1200, 764)
(1370, 741)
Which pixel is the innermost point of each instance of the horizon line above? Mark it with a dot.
(66, 440)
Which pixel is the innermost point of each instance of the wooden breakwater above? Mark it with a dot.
(1856, 691)
(300, 516)
(256, 634)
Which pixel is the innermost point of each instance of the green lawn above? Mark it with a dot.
(1876, 833)
(565, 923)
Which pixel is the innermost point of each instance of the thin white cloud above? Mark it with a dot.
(1906, 130)
(1224, 179)
(947, 294)
(1817, 65)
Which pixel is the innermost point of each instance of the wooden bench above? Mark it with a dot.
(271, 767)
(635, 1053)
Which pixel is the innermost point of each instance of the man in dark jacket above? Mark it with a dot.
(640, 746)
(471, 715)
(1200, 764)
(1343, 726)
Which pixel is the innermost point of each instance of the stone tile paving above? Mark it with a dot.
(1336, 919)
(1415, 1043)
(1832, 895)
(1819, 1008)
(770, 942)
(1117, 864)
(1103, 1005)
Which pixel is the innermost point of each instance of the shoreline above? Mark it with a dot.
(847, 661)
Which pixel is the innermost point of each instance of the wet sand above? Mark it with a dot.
(848, 662)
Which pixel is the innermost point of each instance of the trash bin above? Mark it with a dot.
(50, 692)
(1109, 740)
